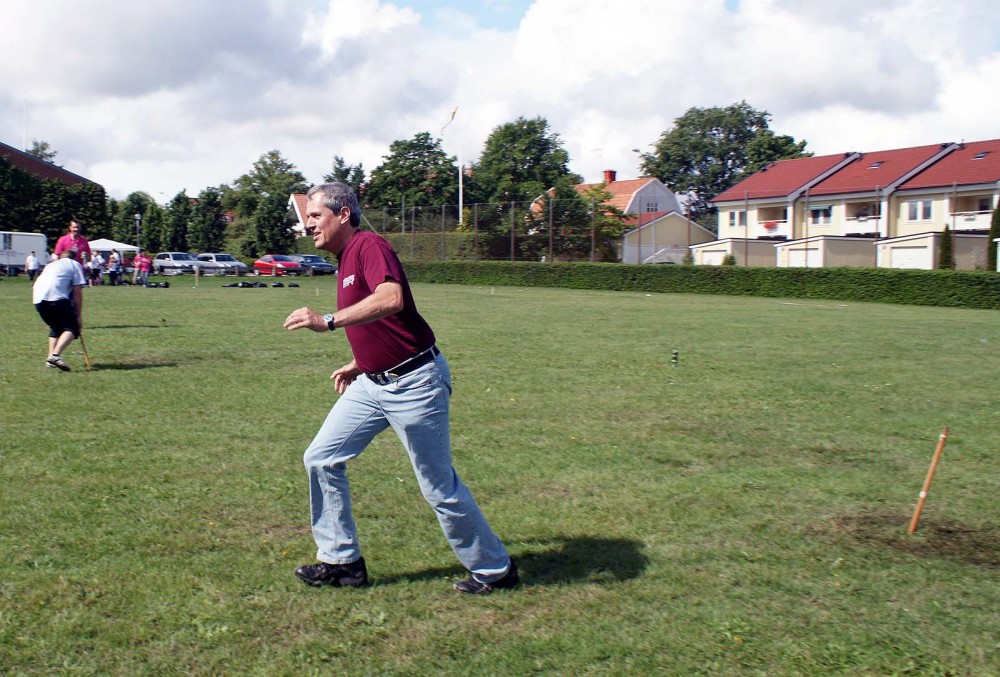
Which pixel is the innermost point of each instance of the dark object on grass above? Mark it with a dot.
(277, 284)
(293, 284)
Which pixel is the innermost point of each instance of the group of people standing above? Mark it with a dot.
(94, 264)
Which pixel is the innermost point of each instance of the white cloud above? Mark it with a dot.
(165, 95)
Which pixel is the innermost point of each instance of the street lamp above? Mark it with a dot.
(138, 222)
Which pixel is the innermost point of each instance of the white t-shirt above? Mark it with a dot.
(31, 263)
(57, 281)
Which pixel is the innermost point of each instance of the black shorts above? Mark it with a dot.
(60, 316)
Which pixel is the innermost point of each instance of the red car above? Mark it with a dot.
(276, 264)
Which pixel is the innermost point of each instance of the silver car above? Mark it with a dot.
(173, 263)
(226, 264)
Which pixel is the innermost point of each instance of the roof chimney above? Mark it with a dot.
(609, 175)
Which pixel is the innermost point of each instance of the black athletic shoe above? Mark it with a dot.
(471, 586)
(352, 575)
(57, 362)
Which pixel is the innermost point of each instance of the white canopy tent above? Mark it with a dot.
(106, 245)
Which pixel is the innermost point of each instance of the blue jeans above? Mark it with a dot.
(416, 406)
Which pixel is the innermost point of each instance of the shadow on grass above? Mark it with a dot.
(978, 546)
(558, 561)
(131, 367)
(125, 326)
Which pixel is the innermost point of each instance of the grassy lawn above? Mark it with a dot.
(744, 512)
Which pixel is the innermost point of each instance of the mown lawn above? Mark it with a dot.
(744, 512)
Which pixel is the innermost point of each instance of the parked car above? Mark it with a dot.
(314, 264)
(228, 264)
(276, 264)
(173, 263)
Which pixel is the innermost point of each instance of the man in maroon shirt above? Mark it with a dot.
(398, 378)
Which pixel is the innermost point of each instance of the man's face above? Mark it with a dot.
(74, 228)
(329, 230)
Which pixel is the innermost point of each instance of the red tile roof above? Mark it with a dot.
(879, 169)
(621, 191)
(961, 167)
(38, 167)
(781, 178)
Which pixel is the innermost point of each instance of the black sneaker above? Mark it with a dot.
(472, 586)
(352, 575)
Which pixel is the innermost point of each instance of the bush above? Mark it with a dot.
(946, 288)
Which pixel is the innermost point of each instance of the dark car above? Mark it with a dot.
(313, 264)
(276, 264)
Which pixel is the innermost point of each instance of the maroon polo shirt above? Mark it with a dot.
(367, 261)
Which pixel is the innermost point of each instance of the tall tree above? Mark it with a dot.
(175, 226)
(608, 222)
(352, 175)
(520, 161)
(207, 227)
(710, 149)
(262, 196)
(415, 172)
(42, 150)
(946, 251)
(89, 203)
(123, 225)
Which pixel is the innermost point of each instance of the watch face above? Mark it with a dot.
(328, 317)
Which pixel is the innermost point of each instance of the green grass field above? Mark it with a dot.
(742, 513)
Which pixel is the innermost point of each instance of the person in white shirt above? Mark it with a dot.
(32, 265)
(58, 298)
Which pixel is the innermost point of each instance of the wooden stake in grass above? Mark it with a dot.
(927, 482)
(86, 357)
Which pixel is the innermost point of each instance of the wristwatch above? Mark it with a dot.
(329, 321)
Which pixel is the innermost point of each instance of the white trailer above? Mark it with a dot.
(15, 247)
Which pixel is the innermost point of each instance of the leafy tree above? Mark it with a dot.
(560, 224)
(89, 203)
(53, 210)
(261, 197)
(946, 252)
(207, 226)
(520, 161)
(153, 227)
(123, 223)
(991, 246)
(608, 221)
(352, 175)
(175, 225)
(20, 192)
(711, 149)
(42, 150)
(415, 172)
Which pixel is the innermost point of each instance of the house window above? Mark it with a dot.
(980, 156)
(919, 210)
(737, 219)
(984, 204)
(821, 215)
(652, 206)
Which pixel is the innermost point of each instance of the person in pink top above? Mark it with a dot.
(74, 240)
(142, 264)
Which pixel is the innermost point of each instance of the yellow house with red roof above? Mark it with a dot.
(885, 208)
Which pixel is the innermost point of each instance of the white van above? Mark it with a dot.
(15, 247)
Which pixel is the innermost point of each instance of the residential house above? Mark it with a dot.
(658, 231)
(849, 210)
(297, 203)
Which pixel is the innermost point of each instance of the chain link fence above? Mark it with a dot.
(541, 230)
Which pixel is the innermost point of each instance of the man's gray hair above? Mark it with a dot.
(337, 196)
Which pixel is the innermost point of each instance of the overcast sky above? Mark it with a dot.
(171, 95)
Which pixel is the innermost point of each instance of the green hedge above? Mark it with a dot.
(956, 289)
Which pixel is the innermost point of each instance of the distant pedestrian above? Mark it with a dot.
(58, 298)
(32, 266)
(73, 239)
(97, 270)
(114, 268)
(142, 264)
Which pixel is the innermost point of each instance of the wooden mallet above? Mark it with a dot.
(86, 357)
(927, 482)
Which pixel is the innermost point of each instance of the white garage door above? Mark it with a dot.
(712, 258)
(911, 257)
(804, 258)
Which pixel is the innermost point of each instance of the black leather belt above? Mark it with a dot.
(384, 378)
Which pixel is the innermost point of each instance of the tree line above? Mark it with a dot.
(523, 168)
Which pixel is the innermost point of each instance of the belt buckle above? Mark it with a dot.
(384, 378)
